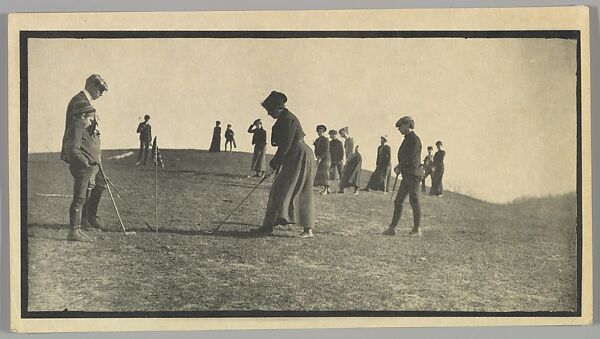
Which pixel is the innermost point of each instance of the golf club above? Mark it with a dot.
(135, 210)
(112, 199)
(240, 204)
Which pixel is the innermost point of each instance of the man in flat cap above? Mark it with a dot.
(259, 140)
(145, 131)
(409, 165)
(81, 129)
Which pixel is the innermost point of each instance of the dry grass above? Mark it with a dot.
(474, 256)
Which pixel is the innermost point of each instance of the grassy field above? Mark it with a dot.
(473, 256)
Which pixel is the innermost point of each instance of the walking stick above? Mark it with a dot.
(133, 208)
(113, 201)
(240, 204)
(156, 193)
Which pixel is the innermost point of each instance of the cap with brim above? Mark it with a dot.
(384, 137)
(321, 127)
(257, 121)
(345, 130)
(405, 120)
(333, 132)
(97, 81)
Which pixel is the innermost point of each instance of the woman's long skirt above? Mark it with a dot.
(437, 187)
(322, 175)
(351, 175)
(291, 196)
(215, 145)
(258, 159)
(379, 180)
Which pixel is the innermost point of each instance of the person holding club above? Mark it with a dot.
(291, 196)
(409, 166)
(145, 131)
(81, 150)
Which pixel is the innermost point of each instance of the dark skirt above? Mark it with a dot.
(291, 196)
(437, 187)
(215, 145)
(379, 180)
(351, 175)
(258, 158)
(322, 175)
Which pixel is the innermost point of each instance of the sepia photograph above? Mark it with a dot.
(307, 173)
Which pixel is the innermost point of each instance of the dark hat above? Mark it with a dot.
(405, 120)
(218, 122)
(257, 121)
(322, 127)
(344, 129)
(439, 143)
(228, 125)
(146, 117)
(429, 147)
(96, 81)
(332, 132)
(384, 137)
(274, 100)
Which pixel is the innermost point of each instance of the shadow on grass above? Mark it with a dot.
(224, 175)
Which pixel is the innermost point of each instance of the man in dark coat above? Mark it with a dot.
(81, 141)
(437, 188)
(380, 177)
(259, 140)
(323, 160)
(291, 196)
(409, 165)
(145, 131)
(336, 153)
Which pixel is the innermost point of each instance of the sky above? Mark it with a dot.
(504, 108)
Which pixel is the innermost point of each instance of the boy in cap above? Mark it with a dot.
(259, 140)
(336, 152)
(229, 139)
(145, 131)
(409, 165)
(89, 183)
(427, 166)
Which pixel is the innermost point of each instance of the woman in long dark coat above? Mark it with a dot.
(351, 175)
(259, 140)
(215, 145)
(437, 188)
(291, 196)
(380, 178)
(323, 160)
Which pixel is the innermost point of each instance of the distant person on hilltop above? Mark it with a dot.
(215, 145)
(336, 152)
(409, 165)
(81, 150)
(437, 188)
(259, 140)
(383, 167)
(427, 167)
(229, 138)
(323, 160)
(291, 195)
(352, 170)
(145, 131)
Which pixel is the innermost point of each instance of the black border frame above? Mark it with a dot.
(522, 34)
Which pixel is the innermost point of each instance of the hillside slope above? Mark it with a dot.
(473, 256)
